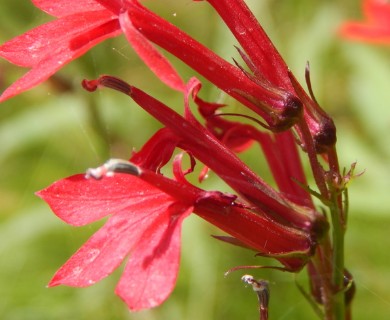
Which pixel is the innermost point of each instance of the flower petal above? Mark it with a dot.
(49, 47)
(62, 8)
(150, 55)
(377, 11)
(107, 248)
(28, 49)
(246, 29)
(365, 32)
(151, 272)
(157, 151)
(79, 201)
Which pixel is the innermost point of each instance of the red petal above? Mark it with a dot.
(243, 24)
(30, 48)
(365, 32)
(375, 29)
(157, 151)
(107, 248)
(62, 8)
(151, 272)
(49, 47)
(114, 6)
(377, 11)
(79, 201)
(150, 55)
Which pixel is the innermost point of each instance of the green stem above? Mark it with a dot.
(338, 213)
(325, 270)
(338, 259)
(333, 293)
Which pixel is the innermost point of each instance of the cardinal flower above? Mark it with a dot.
(376, 26)
(146, 209)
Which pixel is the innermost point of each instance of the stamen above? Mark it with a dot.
(256, 267)
(242, 116)
(262, 290)
(258, 285)
(108, 82)
(115, 83)
(110, 167)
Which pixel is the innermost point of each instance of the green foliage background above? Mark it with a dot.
(57, 130)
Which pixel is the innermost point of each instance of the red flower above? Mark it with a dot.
(269, 90)
(80, 25)
(144, 222)
(147, 209)
(375, 28)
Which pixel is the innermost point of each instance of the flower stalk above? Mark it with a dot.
(145, 208)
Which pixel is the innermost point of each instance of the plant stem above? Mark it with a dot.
(338, 259)
(332, 289)
(338, 215)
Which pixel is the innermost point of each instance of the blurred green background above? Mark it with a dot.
(57, 129)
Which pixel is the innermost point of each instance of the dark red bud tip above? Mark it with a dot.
(108, 82)
(293, 107)
(326, 137)
(291, 114)
(90, 85)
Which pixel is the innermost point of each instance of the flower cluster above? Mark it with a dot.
(145, 209)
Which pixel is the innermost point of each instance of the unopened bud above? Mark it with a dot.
(282, 111)
(320, 124)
